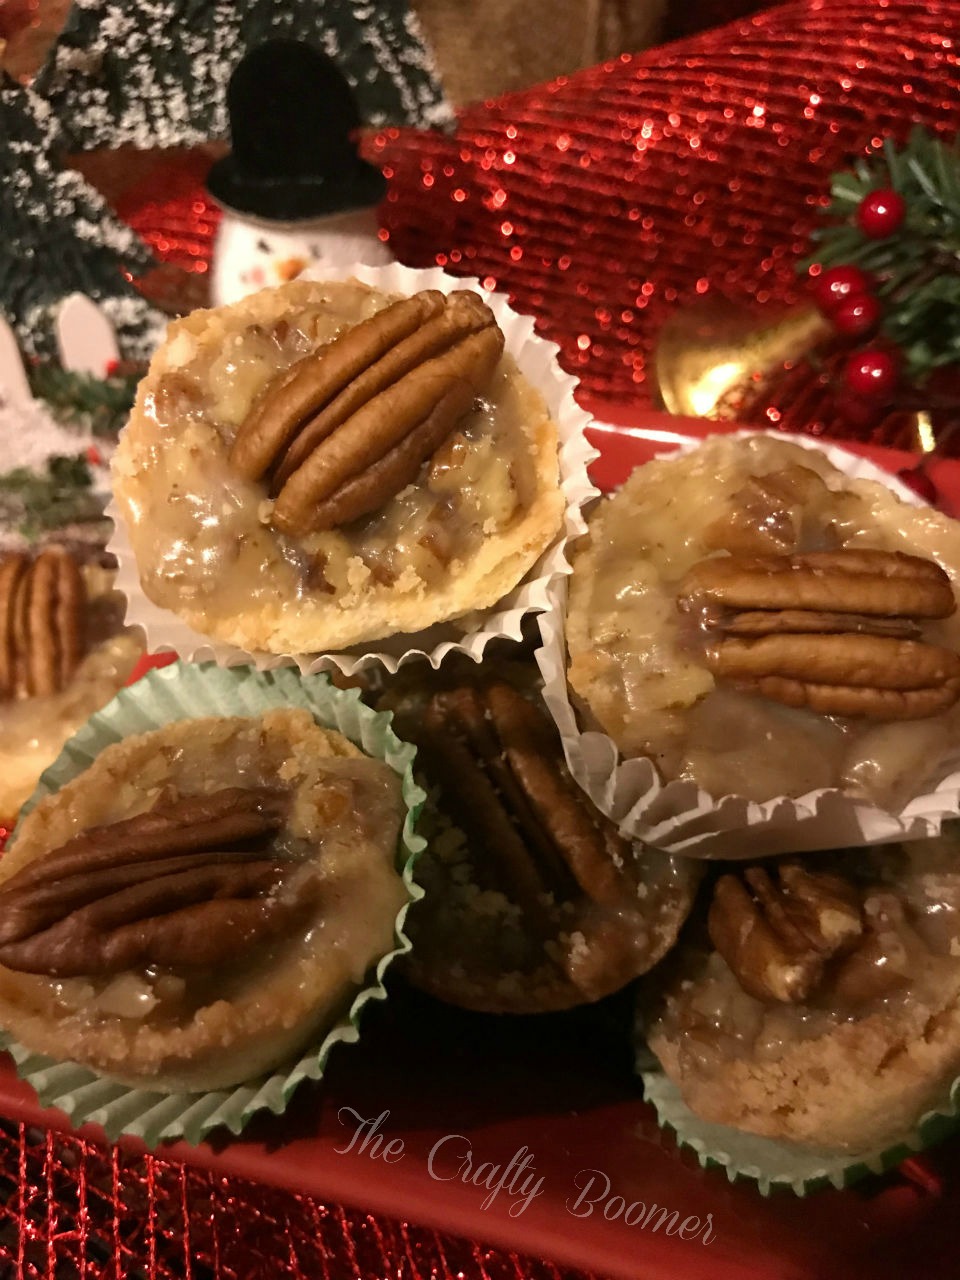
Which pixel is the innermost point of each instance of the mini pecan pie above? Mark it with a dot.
(821, 1003)
(755, 621)
(533, 902)
(202, 902)
(322, 464)
(63, 655)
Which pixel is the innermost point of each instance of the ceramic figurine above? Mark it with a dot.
(294, 189)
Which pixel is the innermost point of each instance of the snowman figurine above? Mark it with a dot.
(294, 190)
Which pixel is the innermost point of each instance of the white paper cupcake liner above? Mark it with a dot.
(678, 816)
(536, 359)
(181, 692)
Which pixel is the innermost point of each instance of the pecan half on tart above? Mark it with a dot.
(533, 901)
(63, 654)
(202, 902)
(323, 464)
(754, 620)
(821, 1001)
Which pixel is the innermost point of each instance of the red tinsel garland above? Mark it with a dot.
(600, 203)
(603, 201)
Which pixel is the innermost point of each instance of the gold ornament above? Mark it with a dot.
(713, 348)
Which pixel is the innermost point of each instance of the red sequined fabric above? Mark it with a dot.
(606, 200)
(70, 1210)
(603, 201)
(599, 203)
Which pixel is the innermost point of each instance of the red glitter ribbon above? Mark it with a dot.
(606, 199)
(599, 203)
(173, 213)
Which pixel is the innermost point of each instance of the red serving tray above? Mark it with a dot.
(560, 1088)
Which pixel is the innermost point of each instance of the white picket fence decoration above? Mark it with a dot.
(14, 384)
(85, 337)
(85, 340)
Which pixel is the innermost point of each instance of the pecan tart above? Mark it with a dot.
(755, 621)
(63, 654)
(323, 464)
(533, 901)
(202, 902)
(820, 1003)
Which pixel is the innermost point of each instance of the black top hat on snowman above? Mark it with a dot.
(292, 124)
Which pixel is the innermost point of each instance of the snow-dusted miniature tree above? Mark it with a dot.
(154, 73)
(59, 235)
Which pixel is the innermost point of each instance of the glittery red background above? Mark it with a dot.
(603, 202)
(599, 203)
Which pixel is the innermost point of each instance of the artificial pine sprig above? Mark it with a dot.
(62, 494)
(915, 269)
(97, 405)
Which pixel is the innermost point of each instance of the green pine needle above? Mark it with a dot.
(63, 494)
(97, 405)
(917, 269)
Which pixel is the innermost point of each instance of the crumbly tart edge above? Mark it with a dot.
(546, 989)
(177, 693)
(676, 815)
(317, 624)
(892, 1094)
(185, 1056)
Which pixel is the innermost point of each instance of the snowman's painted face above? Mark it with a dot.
(250, 256)
(277, 257)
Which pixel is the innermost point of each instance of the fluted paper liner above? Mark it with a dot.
(775, 1165)
(678, 816)
(182, 692)
(536, 359)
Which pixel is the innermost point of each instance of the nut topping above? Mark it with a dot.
(882, 583)
(12, 569)
(184, 887)
(42, 614)
(344, 430)
(503, 777)
(831, 631)
(777, 929)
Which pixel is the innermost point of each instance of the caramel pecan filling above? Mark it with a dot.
(342, 431)
(503, 779)
(837, 632)
(184, 886)
(42, 610)
(793, 935)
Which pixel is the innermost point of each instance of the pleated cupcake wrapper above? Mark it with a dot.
(681, 818)
(181, 692)
(784, 1166)
(536, 359)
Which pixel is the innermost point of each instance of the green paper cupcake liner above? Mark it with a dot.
(779, 1166)
(182, 692)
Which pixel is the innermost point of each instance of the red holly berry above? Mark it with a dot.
(858, 412)
(872, 373)
(858, 316)
(918, 479)
(836, 285)
(881, 213)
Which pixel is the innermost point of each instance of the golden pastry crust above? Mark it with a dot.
(862, 1086)
(246, 1023)
(34, 728)
(291, 614)
(653, 668)
(853, 1062)
(533, 902)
